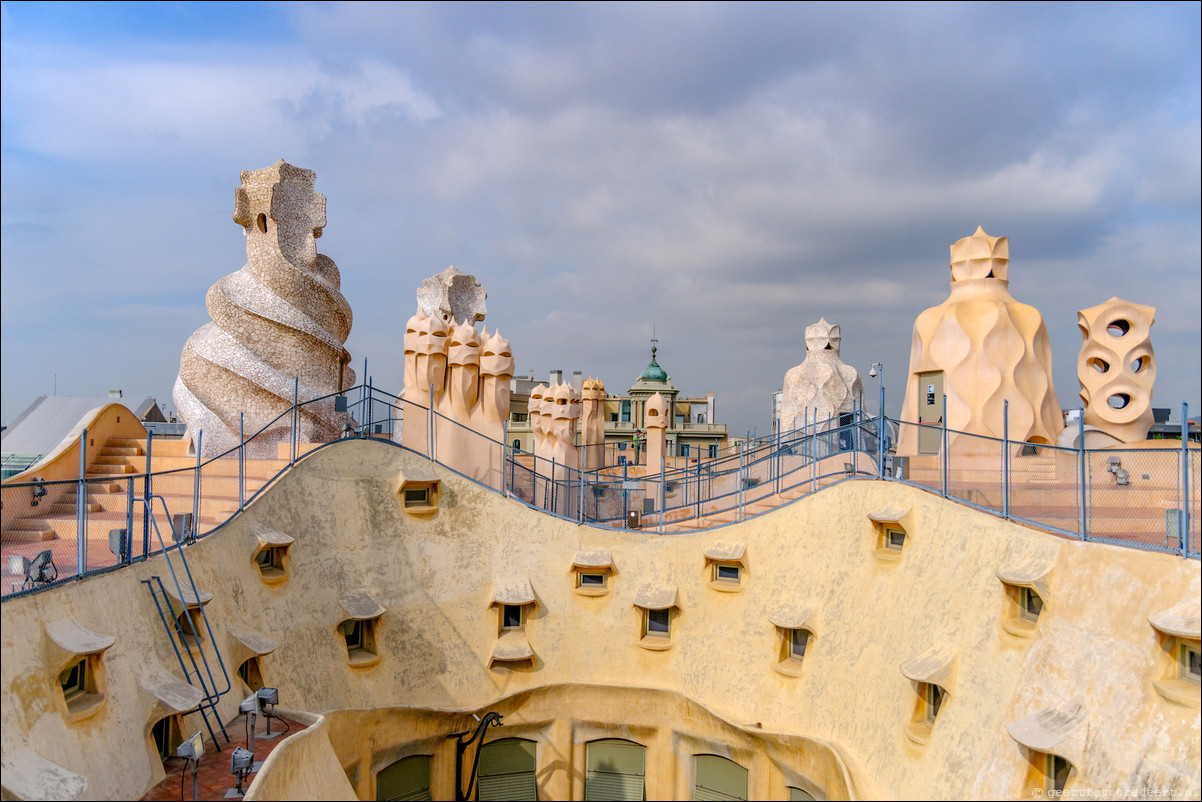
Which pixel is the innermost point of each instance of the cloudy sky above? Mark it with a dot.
(725, 173)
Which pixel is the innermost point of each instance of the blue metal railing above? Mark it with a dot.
(1081, 493)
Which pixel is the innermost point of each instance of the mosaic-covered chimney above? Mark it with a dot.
(279, 319)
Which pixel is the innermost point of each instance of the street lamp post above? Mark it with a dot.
(878, 371)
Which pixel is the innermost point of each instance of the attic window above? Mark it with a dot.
(592, 570)
(190, 626)
(1179, 633)
(1055, 739)
(81, 678)
(514, 599)
(73, 679)
(250, 673)
(512, 616)
(270, 562)
(932, 673)
(418, 490)
(359, 628)
(657, 624)
(360, 637)
(891, 533)
(795, 625)
(1189, 661)
(657, 608)
(727, 566)
(1049, 774)
(1026, 582)
(591, 580)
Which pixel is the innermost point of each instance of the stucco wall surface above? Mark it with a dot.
(435, 576)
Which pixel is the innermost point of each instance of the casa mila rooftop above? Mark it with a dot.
(328, 589)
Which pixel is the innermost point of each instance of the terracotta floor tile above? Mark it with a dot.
(214, 777)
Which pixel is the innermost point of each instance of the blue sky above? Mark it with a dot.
(728, 174)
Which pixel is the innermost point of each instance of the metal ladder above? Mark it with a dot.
(200, 673)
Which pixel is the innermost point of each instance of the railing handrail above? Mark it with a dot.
(739, 479)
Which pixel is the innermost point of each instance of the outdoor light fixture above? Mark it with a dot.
(250, 706)
(182, 528)
(118, 541)
(240, 763)
(269, 696)
(39, 491)
(191, 750)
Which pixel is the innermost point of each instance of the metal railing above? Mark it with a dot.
(1141, 497)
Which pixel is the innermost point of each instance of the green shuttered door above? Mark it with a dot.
(507, 771)
(717, 778)
(407, 779)
(616, 770)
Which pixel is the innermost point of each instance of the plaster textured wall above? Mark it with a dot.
(990, 348)
(821, 387)
(280, 318)
(436, 577)
(461, 374)
(1116, 362)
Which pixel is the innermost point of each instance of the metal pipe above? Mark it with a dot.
(196, 486)
(1081, 469)
(881, 429)
(81, 507)
(504, 457)
(943, 451)
(1183, 523)
(1006, 459)
(295, 413)
(662, 498)
(129, 521)
(146, 511)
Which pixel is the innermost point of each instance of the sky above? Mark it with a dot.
(720, 175)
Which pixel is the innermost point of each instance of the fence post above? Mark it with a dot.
(1081, 468)
(295, 412)
(370, 422)
(430, 431)
(81, 508)
(196, 486)
(580, 507)
(943, 451)
(778, 458)
(504, 452)
(739, 498)
(129, 521)
(882, 427)
(146, 493)
(662, 499)
(1183, 521)
(241, 462)
(1006, 459)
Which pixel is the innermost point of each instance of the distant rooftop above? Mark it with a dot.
(44, 423)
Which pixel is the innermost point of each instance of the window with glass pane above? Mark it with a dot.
(658, 622)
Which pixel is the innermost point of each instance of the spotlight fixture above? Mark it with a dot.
(191, 750)
(268, 697)
(240, 763)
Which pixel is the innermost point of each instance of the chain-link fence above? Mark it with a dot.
(1045, 487)
(140, 497)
